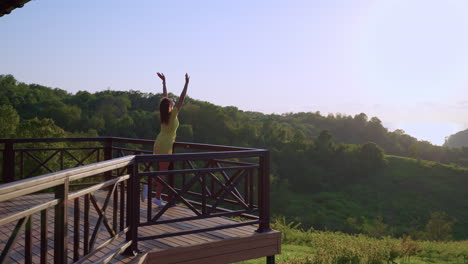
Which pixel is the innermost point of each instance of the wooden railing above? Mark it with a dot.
(27, 157)
(210, 180)
(60, 201)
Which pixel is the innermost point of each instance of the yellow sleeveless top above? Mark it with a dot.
(167, 135)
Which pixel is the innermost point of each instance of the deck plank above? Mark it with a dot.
(219, 246)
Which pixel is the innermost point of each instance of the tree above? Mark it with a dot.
(376, 132)
(9, 119)
(39, 128)
(185, 133)
(67, 117)
(372, 157)
(298, 138)
(371, 227)
(439, 227)
(324, 142)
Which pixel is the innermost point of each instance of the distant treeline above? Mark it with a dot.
(327, 171)
(135, 114)
(457, 140)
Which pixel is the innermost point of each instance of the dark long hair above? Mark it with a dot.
(164, 110)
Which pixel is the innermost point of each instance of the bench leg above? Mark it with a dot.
(270, 259)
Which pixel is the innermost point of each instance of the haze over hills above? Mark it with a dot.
(325, 170)
(459, 139)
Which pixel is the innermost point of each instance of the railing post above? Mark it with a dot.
(8, 162)
(170, 179)
(108, 155)
(264, 192)
(264, 198)
(133, 210)
(61, 224)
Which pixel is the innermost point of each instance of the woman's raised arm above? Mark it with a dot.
(163, 78)
(184, 92)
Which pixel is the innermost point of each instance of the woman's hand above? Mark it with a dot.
(162, 76)
(187, 78)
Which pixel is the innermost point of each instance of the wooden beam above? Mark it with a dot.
(226, 251)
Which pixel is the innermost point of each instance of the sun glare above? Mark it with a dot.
(414, 50)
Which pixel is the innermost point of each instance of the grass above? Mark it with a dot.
(289, 254)
(323, 247)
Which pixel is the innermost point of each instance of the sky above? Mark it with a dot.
(403, 61)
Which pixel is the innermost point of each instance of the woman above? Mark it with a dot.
(168, 111)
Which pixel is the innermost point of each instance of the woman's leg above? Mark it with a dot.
(163, 166)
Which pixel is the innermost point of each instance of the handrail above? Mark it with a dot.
(202, 155)
(186, 145)
(22, 187)
(201, 146)
(51, 140)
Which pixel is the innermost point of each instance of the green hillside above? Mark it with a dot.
(395, 201)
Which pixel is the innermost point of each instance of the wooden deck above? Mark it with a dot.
(220, 246)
